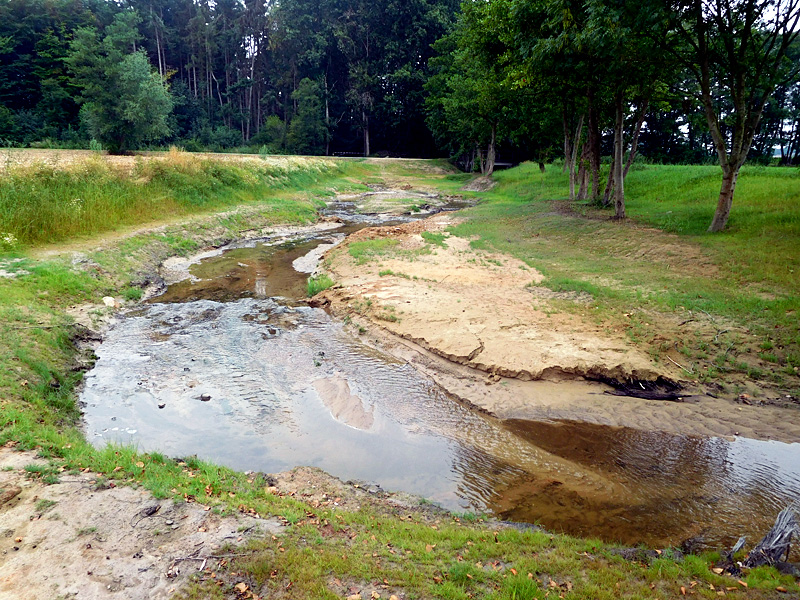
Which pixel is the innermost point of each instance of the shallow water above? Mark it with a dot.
(231, 365)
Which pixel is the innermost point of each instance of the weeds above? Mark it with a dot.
(367, 250)
(318, 284)
(437, 239)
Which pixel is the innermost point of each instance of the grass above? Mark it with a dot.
(437, 239)
(736, 290)
(318, 284)
(42, 203)
(413, 555)
(365, 251)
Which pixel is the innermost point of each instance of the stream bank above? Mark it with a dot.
(229, 363)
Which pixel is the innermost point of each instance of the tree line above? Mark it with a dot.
(673, 80)
(305, 76)
(592, 78)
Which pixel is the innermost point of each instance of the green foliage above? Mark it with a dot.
(307, 132)
(123, 103)
(42, 204)
(367, 250)
(318, 284)
(437, 239)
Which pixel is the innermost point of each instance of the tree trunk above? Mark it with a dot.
(481, 159)
(327, 118)
(573, 157)
(490, 152)
(583, 174)
(609, 185)
(541, 168)
(729, 177)
(365, 118)
(567, 145)
(594, 147)
(619, 147)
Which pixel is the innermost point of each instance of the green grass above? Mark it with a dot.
(367, 250)
(741, 283)
(318, 284)
(42, 204)
(420, 557)
(437, 239)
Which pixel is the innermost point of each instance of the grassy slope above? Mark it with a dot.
(452, 559)
(738, 289)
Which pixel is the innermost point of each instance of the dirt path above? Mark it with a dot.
(479, 324)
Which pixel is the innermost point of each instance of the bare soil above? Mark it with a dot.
(481, 326)
(81, 538)
(85, 538)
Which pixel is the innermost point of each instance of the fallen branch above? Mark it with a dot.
(776, 543)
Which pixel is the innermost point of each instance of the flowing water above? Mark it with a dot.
(232, 366)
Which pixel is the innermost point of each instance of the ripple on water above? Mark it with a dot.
(258, 384)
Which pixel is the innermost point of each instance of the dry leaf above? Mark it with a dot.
(683, 591)
(781, 589)
(375, 596)
(742, 583)
(430, 547)
(513, 571)
(717, 570)
(140, 464)
(354, 597)
(241, 587)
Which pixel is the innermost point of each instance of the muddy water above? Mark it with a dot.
(230, 365)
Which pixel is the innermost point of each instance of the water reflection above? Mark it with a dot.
(217, 368)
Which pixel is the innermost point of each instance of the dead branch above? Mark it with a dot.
(776, 543)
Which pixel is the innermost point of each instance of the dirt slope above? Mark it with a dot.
(77, 539)
(478, 309)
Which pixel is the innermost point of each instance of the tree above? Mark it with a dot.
(307, 132)
(738, 48)
(123, 102)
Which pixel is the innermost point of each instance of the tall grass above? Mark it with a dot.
(41, 204)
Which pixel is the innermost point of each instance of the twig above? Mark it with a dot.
(719, 333)
(677, 365)
(706, 313)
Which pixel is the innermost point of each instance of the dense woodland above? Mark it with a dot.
(591, 82)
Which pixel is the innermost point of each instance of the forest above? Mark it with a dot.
(592, 82)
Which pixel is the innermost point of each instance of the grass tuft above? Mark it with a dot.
(318, 284)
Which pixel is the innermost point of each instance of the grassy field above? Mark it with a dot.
(449, 557)
(735, 293)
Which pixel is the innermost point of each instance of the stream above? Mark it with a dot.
(231, 365)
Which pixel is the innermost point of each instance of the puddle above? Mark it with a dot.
(231, 365)
(712, 489)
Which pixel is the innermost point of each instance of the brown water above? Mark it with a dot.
(220, 367)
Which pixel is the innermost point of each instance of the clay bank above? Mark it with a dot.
(436, 369)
